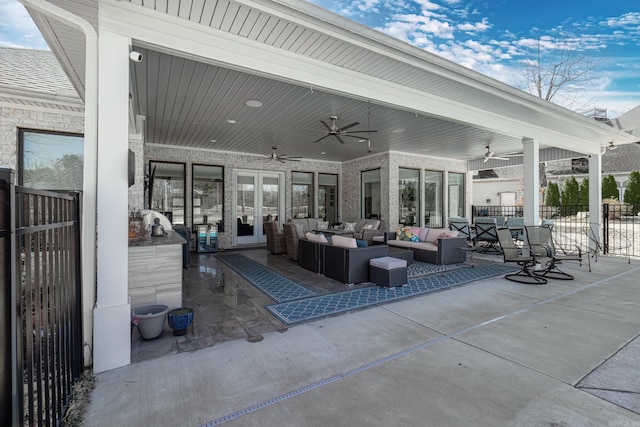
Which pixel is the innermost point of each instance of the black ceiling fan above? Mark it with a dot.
(282, 157)
(339, 132)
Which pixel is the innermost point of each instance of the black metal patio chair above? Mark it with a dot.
(486, 235)
(463, 227)
(524, 257)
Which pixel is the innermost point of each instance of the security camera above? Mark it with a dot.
(135, 56)
(369, 150)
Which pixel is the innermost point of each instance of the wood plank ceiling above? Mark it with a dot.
(189, 103)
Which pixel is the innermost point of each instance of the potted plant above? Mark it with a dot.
(180, 319)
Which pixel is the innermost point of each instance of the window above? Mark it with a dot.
(328, 197)
(409, 194)
(456, 194)
(433, 199)
(207, 193)
(302, 194)
(371, 205)
(50, 161)
(166, 190)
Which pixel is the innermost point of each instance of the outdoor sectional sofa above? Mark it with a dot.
(432, 245)
(346, 265)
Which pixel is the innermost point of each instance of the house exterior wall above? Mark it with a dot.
(13, 117)
(233, 161)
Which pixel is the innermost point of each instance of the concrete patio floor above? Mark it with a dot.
(491, 353)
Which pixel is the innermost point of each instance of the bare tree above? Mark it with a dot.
(561, 73)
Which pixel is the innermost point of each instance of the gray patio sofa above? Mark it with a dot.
(434, 245)
(346, 265)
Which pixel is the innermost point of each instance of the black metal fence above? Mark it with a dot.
(619, 233)
(41, 300)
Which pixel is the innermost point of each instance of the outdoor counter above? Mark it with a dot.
(155, 270)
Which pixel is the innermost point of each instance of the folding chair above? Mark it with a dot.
(524, 257)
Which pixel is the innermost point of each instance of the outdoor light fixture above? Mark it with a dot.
(135, 56)
(254, 103)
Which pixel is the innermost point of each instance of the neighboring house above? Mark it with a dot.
(217, 84)
(35, 94)
(499, 186)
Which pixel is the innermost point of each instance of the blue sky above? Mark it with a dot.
(493, 37)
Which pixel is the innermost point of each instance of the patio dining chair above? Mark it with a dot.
(486, 235)
(540, 241)
(524, 257)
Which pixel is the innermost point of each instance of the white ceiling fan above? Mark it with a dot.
(339, 132)
(282, 157)
(491, 155)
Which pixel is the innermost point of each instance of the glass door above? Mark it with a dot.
(259, 197)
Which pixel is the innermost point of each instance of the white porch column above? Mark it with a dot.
(112, 314)
(595, 194)
(531, 160)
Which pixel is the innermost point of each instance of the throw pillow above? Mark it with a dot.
(299, 228)
(398, 233)
(344, 242)
(407, 234)
(318, 238)
(349, 226)
(361, 243)
(368, 227)
(414, 238)
(322, 225)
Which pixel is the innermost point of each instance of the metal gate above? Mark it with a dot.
(41, 300)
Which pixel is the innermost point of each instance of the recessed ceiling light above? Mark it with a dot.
(362, 140)
(254, 103)
(231, 121)
(397, 130)
(213, 140)
(323, 153)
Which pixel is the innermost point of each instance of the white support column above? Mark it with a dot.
(595, 194)
(531, 188)
(112, 314)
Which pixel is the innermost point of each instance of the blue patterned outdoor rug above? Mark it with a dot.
(278, 287)
(329, 304)
(419, 268)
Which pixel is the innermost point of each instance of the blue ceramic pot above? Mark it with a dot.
(180, 319)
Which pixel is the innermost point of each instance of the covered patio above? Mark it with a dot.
(174, 84)
(490, 353)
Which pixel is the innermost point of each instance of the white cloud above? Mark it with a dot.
(17, 29)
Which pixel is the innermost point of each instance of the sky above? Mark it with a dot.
(494, 37)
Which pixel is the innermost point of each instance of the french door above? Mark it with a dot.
(258, 198)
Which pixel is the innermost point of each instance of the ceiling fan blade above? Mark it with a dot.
(326, 125)
(362, 131)
(349, 126)
(320, 139)
(500, 158)
(486, 158)
(339, 139)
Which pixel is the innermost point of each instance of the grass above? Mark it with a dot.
(80, 398)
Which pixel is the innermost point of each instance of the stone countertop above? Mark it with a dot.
(172, 238)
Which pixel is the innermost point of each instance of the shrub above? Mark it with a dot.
(610, 188)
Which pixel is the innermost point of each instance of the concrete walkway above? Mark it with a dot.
(492, 353)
